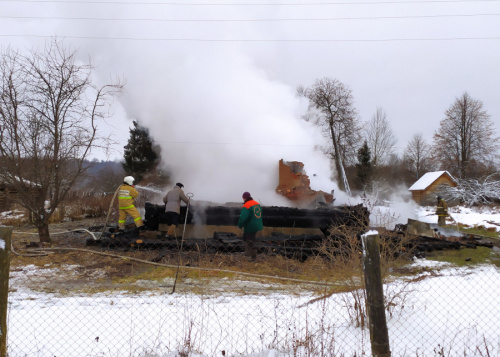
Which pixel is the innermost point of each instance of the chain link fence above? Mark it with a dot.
(142, 294)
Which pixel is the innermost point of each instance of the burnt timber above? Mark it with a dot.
(318, 220)
(298, 246)
(272, 216)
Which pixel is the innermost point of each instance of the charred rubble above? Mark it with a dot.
(333, 225)
(430, 237)
(299, 246)
(272, 216)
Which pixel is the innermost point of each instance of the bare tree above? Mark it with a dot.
(331, 107)
(473, 191)
(465, 140)
(380, 138)
(417, 155)
(49, 112)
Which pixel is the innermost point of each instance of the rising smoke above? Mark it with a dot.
(223, 125)
(221, 120)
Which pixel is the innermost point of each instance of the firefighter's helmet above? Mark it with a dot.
(129, 180)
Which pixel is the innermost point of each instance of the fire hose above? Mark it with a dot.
(109, 210)
(38, 252)
(47, 251)
(189, 195)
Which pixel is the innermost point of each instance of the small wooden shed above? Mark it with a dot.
(9, 196)
(424, 190)
(6, 193)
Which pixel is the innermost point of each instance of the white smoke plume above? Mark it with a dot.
(223, 125)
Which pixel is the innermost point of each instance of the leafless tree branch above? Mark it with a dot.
(331, 107)
(49, 115)
(465, 141)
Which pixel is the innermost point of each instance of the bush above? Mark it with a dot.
(77, 207)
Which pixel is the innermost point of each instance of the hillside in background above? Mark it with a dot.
(103, 176)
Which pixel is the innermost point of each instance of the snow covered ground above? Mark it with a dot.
(399, 212)
(473, 217)
(445, 311)
(457, 310)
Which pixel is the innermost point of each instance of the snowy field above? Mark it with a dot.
(487, 217)
(457, 310)
(446, 311)
(472, 217)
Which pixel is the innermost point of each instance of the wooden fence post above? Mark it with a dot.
(5, 242)
(379, 335)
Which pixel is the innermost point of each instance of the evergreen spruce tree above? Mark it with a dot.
(140, 154)
(364, 167)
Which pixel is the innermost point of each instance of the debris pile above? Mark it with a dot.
(294, 184)
(291, 245)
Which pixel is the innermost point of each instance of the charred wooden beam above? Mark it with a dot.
(322, 218)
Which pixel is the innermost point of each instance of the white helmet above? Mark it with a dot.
(129, 180)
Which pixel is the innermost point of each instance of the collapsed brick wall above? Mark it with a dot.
(295, 185)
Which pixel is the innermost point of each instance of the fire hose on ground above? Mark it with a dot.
(38, 252)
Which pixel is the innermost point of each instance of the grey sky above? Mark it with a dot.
(219, 96)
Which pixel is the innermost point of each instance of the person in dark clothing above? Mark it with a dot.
(172, 202)
(251, 222)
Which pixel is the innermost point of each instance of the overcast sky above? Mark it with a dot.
(215, 80)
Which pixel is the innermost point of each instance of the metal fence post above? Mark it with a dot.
(5, 241)
(379, 335)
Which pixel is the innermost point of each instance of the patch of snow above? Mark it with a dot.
(16, 214)
(469, 216)
(427, 263)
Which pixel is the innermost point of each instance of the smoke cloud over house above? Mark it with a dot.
(223, 125)
(215, 83)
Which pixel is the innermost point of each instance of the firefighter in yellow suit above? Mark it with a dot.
(126, 200)
(441, 211)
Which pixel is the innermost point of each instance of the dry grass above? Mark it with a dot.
(337, 265)
(75, 207)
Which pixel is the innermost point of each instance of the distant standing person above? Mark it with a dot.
(126, 204)
(251, 222)
(441, 211)
(172, 202)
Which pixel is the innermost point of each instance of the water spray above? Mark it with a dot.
(146, 188)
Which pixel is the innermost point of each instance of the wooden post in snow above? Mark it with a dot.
(379, 335)
(5, 241)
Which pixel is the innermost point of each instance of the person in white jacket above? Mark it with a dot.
(172, 202)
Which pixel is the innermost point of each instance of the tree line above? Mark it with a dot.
(465, 143)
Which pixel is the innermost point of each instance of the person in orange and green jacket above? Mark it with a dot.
(126, 200)
(251, 222)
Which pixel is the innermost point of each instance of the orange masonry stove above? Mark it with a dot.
(294, 184)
